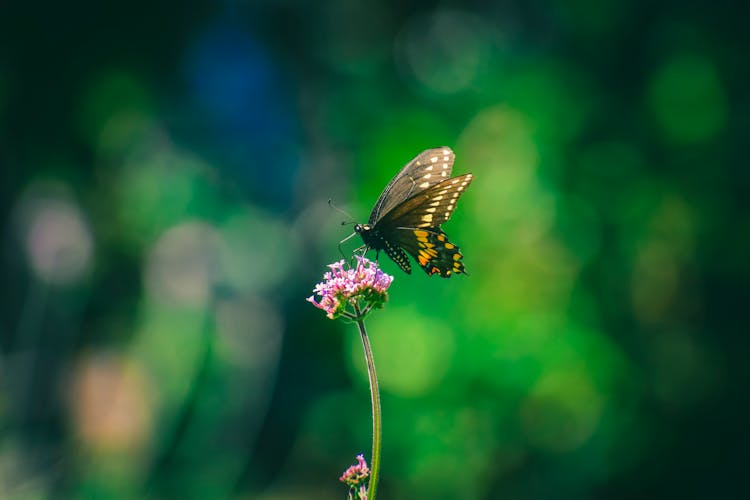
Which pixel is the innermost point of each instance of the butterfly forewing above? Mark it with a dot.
(431, 207)
(429, 168)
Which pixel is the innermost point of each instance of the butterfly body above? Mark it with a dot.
(377, 241)
(408, 214)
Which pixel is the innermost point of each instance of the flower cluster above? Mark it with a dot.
(356, 478)
(365, 282)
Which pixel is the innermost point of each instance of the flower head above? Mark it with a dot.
(356, 478)
(364, 282)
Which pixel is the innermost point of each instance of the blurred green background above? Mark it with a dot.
(164, 173)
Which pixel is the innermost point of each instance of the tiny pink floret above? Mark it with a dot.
(357, 474)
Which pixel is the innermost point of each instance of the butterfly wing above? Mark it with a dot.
(429, 168)
(414, 225)
(432, 250)
(429, 208)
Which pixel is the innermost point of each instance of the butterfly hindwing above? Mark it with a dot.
(432, 250)
(427, 169)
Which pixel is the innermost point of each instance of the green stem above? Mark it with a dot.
(375, 395)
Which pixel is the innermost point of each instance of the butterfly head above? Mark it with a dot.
(370, 236)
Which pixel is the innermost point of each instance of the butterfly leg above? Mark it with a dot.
(343, 241)
(364, 249)
(361, 249)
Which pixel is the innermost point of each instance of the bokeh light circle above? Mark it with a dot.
(444, 52)
(183, 264)
(414, 352)
(57, 239)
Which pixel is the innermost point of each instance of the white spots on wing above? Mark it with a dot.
(434, 159)
(427, 218)
(444, 173)
(427, 176)
(424, 185)
(431, 210)
(438, 198)
(447, 214)
(435, 204)
(430, 167)
(446, 152)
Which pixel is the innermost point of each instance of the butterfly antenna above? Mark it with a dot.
(343, 212)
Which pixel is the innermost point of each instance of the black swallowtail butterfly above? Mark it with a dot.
(408, 214)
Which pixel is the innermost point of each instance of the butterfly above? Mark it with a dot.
(408, 214)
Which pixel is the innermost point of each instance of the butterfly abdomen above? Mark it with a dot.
(375, 240)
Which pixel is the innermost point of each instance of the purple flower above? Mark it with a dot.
(356, 477)
(342, 287)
